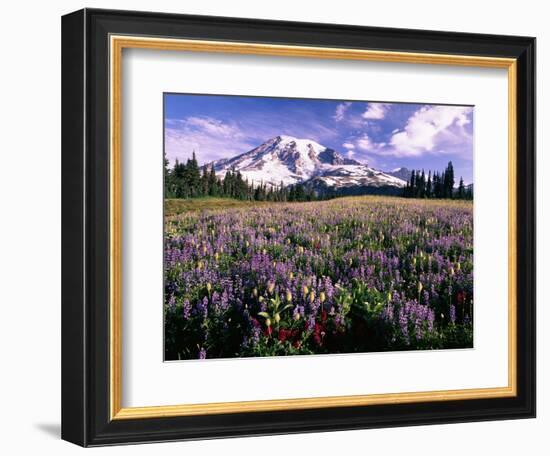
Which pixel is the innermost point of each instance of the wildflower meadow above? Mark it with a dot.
(348, 275)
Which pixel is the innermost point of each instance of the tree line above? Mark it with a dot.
(436, 185)
(189, 180)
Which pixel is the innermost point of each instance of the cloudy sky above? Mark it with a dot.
(384, 135)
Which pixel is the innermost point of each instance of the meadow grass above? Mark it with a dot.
(178, 206)
(174, 207)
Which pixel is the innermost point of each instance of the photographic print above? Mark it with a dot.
(311, 226)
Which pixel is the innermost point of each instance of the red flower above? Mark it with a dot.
(289, 334)
(460, 297)
(318, 333)
(284, 334)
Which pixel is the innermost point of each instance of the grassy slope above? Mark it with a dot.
(178, 206)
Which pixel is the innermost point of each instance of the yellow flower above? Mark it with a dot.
(268, 322)
(209, 287)
(255, 292)
(322, 296)
(312, 296)
(305, 290)
(419, 287)
(277, 318)
(296, 316)
(270, 287)
(288, 296)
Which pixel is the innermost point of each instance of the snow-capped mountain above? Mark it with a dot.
(401, 173)
(303, 161)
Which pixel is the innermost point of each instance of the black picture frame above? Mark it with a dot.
(85, 228)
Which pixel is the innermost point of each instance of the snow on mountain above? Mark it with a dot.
(357, 176)
(401, 173)
(291, 161)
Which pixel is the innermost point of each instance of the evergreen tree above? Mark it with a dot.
(193, 176)
(204, 182)
(212, 182)
(437, 185)
(190, 181)
(461, 194)
(422, 185)
(168, 184)
(429, 185)
(448, 181)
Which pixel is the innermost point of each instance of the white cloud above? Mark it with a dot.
(365, 143)
(211, 126)
(429, 127)
(210, 138)
(341, 111)
(348, 146)
(376, 111)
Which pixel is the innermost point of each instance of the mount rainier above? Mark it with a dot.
(290, 161)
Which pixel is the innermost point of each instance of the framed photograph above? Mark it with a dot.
(280, 227)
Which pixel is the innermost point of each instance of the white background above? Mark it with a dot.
(147, 74)
(30, 227)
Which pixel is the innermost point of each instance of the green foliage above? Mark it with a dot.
(189, 180)
(437, 185)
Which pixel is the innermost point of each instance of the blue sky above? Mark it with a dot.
(384, 135)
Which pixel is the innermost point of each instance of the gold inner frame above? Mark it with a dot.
(117, 44)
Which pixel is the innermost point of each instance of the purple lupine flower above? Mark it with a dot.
(202, 307)
(452, 314)
(186, 309)
(172, 302)
(404, 324)
(375, 242)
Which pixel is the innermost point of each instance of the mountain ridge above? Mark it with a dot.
(285, 160)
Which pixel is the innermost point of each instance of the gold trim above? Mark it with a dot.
(115, 308)
(118, 43)
(167, 44)
(308, 403)
(512, 227)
